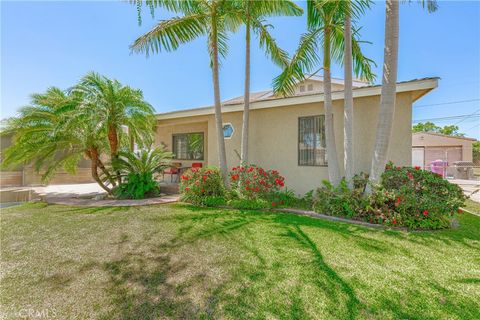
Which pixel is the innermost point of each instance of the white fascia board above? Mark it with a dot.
(304, 99)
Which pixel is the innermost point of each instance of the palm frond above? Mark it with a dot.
(269, 44)
(303, 61)
(169, 34)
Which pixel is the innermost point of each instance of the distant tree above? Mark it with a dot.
(451, 130)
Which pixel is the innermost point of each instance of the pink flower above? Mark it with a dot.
(398, 201)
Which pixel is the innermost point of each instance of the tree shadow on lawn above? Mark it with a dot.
(144, 283)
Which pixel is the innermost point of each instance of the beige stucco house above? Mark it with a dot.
(287, 133)
(430, 146)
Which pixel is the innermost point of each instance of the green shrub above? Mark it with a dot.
(338, 201)
(415, 198)
(249, 204)
(407, 197)
(198, 183)
(214, 201)
(137, 186)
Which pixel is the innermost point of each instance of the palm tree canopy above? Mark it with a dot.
(117, 106)
(322, 14)
(196, 20)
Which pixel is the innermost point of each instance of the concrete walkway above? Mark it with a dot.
(471, 188)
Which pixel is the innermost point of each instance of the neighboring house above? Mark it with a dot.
(287, 133)
(430, 146)
(26, 175)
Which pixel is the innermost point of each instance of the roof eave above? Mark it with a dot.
(414, 85)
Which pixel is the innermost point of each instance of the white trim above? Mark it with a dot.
(414, 85)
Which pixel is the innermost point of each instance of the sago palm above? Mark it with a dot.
(325, 19)
(143, 161)
(253, 14)
(389, 87)
(210, 18)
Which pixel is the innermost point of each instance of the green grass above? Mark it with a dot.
(178, 261)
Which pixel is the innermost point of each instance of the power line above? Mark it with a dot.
(445, 103)
(466, 116)
(474, 113)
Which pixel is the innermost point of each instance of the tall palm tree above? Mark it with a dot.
(325, 21)
(355, 8)
(119, 107)
(389, 84)
(211, 18)
(253, 14)
(348, 99)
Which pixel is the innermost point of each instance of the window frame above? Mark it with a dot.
(186, 134)
(298, 143)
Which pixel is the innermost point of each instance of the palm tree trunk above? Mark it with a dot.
(387, 100)
(222, 158)
(94, 157)
(113, 141)
(348, 104)
(246, 110)
(333, 167)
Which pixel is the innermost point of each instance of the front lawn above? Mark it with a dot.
(178, 261)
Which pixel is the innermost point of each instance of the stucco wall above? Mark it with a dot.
(274, 137)
(421, 139)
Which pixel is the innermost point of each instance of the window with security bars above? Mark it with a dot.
(311, 141)
(188, 146)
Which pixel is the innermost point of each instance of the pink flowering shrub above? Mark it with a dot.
(406, 197)
(252, 182)
(201, 185)
(415, 198)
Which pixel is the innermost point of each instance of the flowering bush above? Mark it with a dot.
(407, 197)
(254, 182)
(415, 198)
(198, 184)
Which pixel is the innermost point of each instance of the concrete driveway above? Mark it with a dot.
(471, 188)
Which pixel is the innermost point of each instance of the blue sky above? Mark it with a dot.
(54, 43)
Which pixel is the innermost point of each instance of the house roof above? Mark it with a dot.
(443, 135)
(264, 99)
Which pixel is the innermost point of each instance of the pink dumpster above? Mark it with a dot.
(439, 167)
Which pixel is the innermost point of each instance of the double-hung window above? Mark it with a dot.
(311, 141)
(188, 146)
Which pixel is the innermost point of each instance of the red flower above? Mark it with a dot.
(398, 201)
(273, 204)
(235, 177)
(410, 175)
(460, 211)
(279, 182)
(205, 178)
(394, 221)
(203, 190)
(184, 178)
(187, 188)
(425, 213)
(399, 168)
(417, 168)
(233, 169)
(251, 169)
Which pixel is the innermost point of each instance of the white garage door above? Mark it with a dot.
(418, 157)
